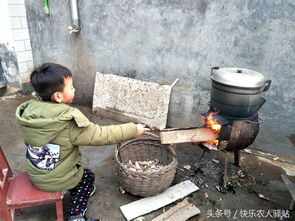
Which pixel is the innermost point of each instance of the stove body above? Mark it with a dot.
(236, 133)
(235, 100)
(234, 105)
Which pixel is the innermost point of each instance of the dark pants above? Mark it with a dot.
(81, 193)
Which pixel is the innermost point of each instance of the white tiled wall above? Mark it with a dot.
(5, 25)
(21, 38)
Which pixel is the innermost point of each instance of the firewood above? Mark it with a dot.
(180, 212)
(195, 135)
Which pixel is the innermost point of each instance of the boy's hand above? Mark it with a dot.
(140, 129)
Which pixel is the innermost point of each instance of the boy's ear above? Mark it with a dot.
(56, 97)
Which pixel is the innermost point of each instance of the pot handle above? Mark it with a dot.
(213, 69)
(267, 85)
(260, 104)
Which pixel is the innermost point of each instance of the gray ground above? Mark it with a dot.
(262, 176)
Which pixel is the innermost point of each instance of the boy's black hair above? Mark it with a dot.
(48, 79)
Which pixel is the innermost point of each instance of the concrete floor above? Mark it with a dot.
(107, 200)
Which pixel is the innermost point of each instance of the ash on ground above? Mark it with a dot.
(208, 169)
(254, 185)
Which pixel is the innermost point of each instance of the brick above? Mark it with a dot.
(15, 22)
(20, 2)
(24, 22)
(30, 66)
(12, 2)
(23, 67)
(17, 10)
(28, 45)
(2, 26)
(24, 56)
(25, 77)
(3, 23)
(20, 34)
(19, 46)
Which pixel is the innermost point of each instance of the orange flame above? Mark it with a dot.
(211, 123)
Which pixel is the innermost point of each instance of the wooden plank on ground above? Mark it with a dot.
(149, 204)
(180, 212)
(290, 185)
(192, 135)
(291, 188)
(172, 210)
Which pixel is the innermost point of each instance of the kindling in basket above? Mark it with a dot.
(146, 148)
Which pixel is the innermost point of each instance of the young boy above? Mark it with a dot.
(53, 131)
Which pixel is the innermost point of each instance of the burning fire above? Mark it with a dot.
(209, 122)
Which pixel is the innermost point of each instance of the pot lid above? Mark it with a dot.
(239, 77)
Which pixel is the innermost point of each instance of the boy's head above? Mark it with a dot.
(53, 82)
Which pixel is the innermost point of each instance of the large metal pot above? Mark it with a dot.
(237, 91)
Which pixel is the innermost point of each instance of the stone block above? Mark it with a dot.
(126, 99)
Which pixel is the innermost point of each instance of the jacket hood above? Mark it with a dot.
(41, 122)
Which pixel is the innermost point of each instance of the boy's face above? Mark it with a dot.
(68, 93)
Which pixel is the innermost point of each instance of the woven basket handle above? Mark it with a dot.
(171, 150)
(152, 137)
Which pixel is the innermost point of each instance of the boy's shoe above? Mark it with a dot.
(93, 191)
(81, 218)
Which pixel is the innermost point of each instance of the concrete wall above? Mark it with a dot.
(160, 41)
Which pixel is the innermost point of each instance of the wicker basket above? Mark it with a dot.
(144, 148)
